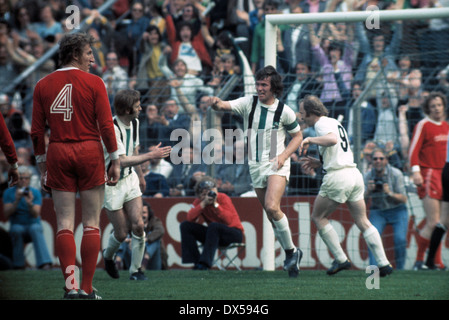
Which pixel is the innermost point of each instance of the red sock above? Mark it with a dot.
(423, 244)
(66, 251)
(90, 246)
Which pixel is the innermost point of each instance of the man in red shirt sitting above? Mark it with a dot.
(223, 225)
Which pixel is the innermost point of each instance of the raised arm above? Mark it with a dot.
(219, 105)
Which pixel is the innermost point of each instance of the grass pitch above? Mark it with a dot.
(189, 285)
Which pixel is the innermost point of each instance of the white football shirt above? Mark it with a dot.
(340, 155)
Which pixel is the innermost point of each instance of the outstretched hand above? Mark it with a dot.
(159, 152)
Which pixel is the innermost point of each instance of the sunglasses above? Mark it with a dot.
(380, 158)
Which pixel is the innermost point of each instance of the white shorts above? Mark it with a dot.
(343, 185)
(261, 171)
(125, 190)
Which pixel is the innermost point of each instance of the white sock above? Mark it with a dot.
(283, 233)
(330, 238)
(374, 242)
(113, 245)
(137, 252)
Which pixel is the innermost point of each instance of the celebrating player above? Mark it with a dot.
(266, 116)
(342, 183)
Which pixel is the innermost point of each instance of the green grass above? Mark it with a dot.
(233, 285)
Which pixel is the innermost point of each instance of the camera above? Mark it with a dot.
(379, 185)
(25, 191)
(212, 194)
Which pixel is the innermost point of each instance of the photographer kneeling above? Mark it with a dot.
(384, 184)
(223, 225)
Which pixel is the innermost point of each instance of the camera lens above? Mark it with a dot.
(212, 194)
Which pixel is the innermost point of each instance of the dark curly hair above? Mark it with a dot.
(72, 45)
(277, 87)
(433, 95)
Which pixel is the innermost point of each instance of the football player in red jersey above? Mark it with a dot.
(74, 105)
(427, 155)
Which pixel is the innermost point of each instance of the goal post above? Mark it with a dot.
(272, 20)
(371, 18)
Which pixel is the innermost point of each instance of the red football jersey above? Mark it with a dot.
(75, 106)
(429, 143)
(6, 142)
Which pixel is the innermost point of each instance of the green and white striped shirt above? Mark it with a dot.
(266, 137)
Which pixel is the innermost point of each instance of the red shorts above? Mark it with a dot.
(75, 166)
(432, 185)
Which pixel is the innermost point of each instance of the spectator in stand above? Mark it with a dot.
(114, 76)
(443, 81)
(199, 115)
(367, 115)
(303, 84)
(156, 185)
(313, 6)
(154, 11)
(234, 178)
(9, 69)
(25, 159)
(190, 49)
(151, 74)
(386, 125)
(385, 191)
(296, 42)
(170, 120)
(149, 126)
(256, 15)
(48, 29)
(189, 14)
(376, 54)
(190, 85)
(22, 25)
(185, 172)
(336, 71)
(427, 155)
(22, 206)
(223, 225)
(134, 31)
(258, 41)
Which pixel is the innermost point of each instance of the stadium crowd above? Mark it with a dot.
(175, 52)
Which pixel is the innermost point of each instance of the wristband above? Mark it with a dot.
(14, 166)
(114, 155)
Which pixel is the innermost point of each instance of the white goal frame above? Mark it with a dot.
(271, 23)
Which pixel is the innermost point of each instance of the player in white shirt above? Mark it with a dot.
(266, 121)
(342, 183)
(123, 202)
